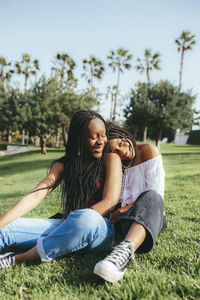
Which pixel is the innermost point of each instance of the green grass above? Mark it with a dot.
(170, 271)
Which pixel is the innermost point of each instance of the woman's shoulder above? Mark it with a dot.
(57, 167)
(147, 152)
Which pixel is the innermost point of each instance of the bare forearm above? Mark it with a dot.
(103, 207)
(31, 200)
(24, 205)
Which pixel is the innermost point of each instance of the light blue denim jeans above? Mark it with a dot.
(83, 230)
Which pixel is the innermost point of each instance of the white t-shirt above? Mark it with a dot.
(148, 175)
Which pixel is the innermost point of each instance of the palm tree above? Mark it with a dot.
(64, 68)
(93, 68)
(119, 61)
(150, 62)
(5, 75)
(27, 68)
(184, 43)
(111, 91)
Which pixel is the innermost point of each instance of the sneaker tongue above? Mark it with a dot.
(131, 245)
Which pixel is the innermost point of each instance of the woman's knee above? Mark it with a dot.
(86, 219)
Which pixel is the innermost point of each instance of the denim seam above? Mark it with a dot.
(22, 232)
(41, 251)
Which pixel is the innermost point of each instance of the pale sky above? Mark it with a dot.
(82, 28)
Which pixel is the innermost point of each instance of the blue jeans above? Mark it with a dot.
(83, 230)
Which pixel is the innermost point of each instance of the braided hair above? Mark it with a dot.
(77, 186)
(117, 132)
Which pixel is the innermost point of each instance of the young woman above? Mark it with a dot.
(140, 216)
(90, 180)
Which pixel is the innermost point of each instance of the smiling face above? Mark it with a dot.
(96, 138)
(123, 148)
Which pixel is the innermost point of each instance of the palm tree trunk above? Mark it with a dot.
(145, 134)
(115, 99)
(181, 69)
(111, 109)
(26, 82)
(148, 74)
(91, 80)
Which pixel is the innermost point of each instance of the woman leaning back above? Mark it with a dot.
(140, 216)
(90, 181)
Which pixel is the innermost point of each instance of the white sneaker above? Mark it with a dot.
(112, 267)
(7, 260)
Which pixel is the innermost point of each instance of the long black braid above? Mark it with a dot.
(77, 187)
(117, 132)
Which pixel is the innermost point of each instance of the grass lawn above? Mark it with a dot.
(170, 271)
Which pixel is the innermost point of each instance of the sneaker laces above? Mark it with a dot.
(123, 252)
(7, 261)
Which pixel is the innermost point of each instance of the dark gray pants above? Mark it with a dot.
(148, 210)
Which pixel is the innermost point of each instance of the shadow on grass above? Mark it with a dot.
(188, 178)
(28, 153)
(17, 168)
(191, 219)
(83, 266)
(181, 153)
(12, 167)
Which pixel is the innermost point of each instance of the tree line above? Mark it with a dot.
(44, 107)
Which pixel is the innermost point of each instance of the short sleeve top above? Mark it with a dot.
(148, 175)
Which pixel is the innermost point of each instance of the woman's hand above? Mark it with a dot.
(115, 216)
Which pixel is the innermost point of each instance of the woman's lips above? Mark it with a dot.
(98, 149)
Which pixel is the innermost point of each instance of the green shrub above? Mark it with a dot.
(194, 138)
(3, 146)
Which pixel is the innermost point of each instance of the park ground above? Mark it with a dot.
(170, 271)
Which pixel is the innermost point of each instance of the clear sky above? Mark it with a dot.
(81, 28)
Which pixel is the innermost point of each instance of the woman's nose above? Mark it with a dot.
(100, 140)
(126, 144)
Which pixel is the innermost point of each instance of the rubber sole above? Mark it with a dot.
(107, 274)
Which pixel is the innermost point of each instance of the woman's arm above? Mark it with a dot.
(112, 184)
(31, 200)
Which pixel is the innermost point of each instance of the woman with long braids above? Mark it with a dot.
(139, 216)
(90, 180)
